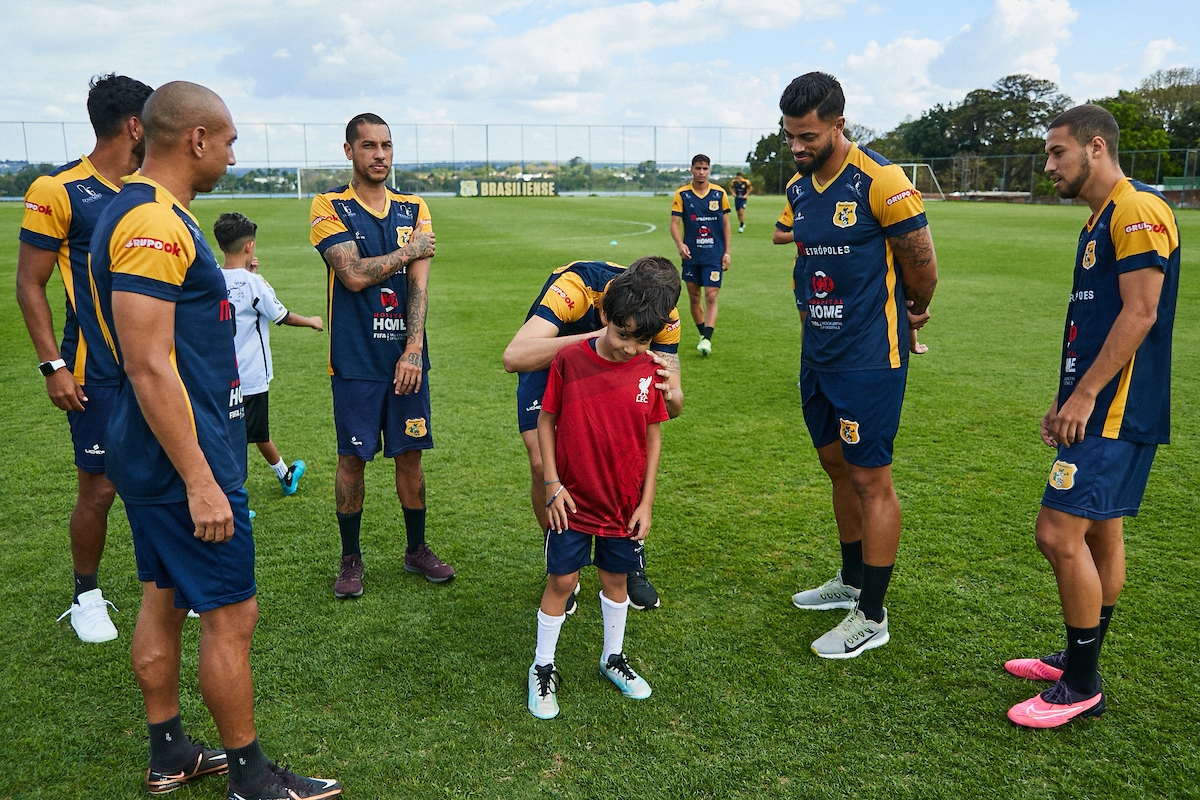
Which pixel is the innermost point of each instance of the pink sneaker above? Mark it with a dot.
(425, 562)
(1056, 706)
(1046, 668)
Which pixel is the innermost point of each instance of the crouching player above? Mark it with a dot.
(600, 441)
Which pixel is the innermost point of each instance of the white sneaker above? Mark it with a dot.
(618, 671)
(852, 636)
(741, 229)
(830, 594)
(543, 690)
(89, 618)
(705, 346)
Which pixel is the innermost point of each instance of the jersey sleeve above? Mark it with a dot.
(265, 301)
(552, 398)
(677, 203)
(151, 251)
(658, 408)
(787, 219)
(566, 301)
(667, 340)
(325, 227)
(47, 214)
(724, 201)
(896, 203)
(424, 218)
(1144, 232)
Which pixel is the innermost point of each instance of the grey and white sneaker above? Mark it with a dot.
(830, 594)
(89, 618)
(617, 670)
(543, 691)
(853, 635)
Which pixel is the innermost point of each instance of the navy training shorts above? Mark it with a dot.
(87, 427)
(860, 408)
(571, 551)
(1099, 478)
(365, 410)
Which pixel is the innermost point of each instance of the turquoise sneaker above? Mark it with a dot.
(291, 480)
(543, 691)
(617, 670)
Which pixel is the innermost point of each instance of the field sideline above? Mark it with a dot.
(418, 690)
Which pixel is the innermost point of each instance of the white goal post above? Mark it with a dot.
(921, 169)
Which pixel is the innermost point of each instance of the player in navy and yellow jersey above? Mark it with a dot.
(377, 244)
(1113, 405)
(568, 311)
(741, 190)
(865, 273)
(177, 446)
(61, 210)
(701, 210)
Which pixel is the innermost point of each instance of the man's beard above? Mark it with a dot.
(1072, 188)
(819, 159)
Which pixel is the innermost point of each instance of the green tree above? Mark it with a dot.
(1173, 95)
(771, 164)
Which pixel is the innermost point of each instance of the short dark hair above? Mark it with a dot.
(659, 281)
(630, 299)
(362, 119)
(813, 90)
(233, 230)
(700, 158)
(112, 99)
(1089, 121)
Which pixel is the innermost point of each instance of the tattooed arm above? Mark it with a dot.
(669, 384)
(357, 273)
(409, 367)
(914, 256)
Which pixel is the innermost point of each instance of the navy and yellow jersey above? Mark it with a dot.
(703, 223)
(146, 243)
(61, 210)
(740, 186)
(1135, 230)
(367, 329)
(572, 296)
(845, 277)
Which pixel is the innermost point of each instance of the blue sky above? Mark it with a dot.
(571, 62)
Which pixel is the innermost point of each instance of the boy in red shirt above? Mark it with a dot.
(600, 442)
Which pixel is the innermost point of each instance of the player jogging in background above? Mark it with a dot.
(700, 228)
(864, 259)
(741, 190)
(81, 374)
(1112, 408)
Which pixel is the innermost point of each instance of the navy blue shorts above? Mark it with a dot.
(87, 427)
(703, 274)
(860, 408)
(204, 575)
(739, 203)
(531, 386)
(363, 410)
(571, 551)
(1099, 478)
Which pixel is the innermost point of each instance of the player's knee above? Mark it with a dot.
(1053, 543)
(562, 585)
(872, 483)
(96, 492)
(350, 467)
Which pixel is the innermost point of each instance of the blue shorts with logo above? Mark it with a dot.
(703, 274)
(87, 428)
(204, 575)
(1099, 478)
(861, 408)
(739, 203)
(571, 551)
(365, 410)
(531, 386)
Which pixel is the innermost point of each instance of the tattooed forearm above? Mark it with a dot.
(357, 273)
(418, 305)
(914, 256)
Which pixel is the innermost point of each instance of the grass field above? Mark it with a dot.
(418, 690)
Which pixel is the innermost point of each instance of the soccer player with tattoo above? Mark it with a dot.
(377, 244)
(864, 275)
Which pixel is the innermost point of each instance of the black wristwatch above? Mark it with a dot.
(48, 368)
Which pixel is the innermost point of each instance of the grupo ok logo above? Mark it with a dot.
(822, 284)
(170, 248)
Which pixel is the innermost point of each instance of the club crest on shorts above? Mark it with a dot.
(1089, 255)
(415, 427)
(715, 275)
(1062, 475)
(845, 214)
(849, 431)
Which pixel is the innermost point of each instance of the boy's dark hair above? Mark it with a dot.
(362, 119)
(659, 281)
(112, 99)
(631, 299)
(233, 230)
(700, 158)
(813, 90)
(1088, 121)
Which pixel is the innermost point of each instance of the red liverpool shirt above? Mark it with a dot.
(603, 408)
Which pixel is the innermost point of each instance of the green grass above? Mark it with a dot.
(418, 690)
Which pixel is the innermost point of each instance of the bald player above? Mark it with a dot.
(177, 447)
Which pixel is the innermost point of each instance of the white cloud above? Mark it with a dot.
(1156, 54)
(889, 82)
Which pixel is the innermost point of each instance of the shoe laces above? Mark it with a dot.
(284, 776)
(1057, 660)
(347, 566)
(620, 664)
(548, 679)
(834, 588)
(854, 626)
(91, 611)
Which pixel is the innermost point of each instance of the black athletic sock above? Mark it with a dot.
(350, 525)
(875, 584)
(1106, 613)
(707, 333)
(414, 526)
(170, 747)
(248, 767)
(700, 327)
(1082, 672)
(852, 564)
(85, 583)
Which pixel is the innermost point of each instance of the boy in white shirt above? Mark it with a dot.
(255, 307)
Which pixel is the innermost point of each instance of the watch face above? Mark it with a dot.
(46, 368)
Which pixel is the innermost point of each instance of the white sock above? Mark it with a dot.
(280, 469)
(547, 637)
(614, 626)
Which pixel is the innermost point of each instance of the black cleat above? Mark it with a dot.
(642, 594)
(287, 785)
(204, 761)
